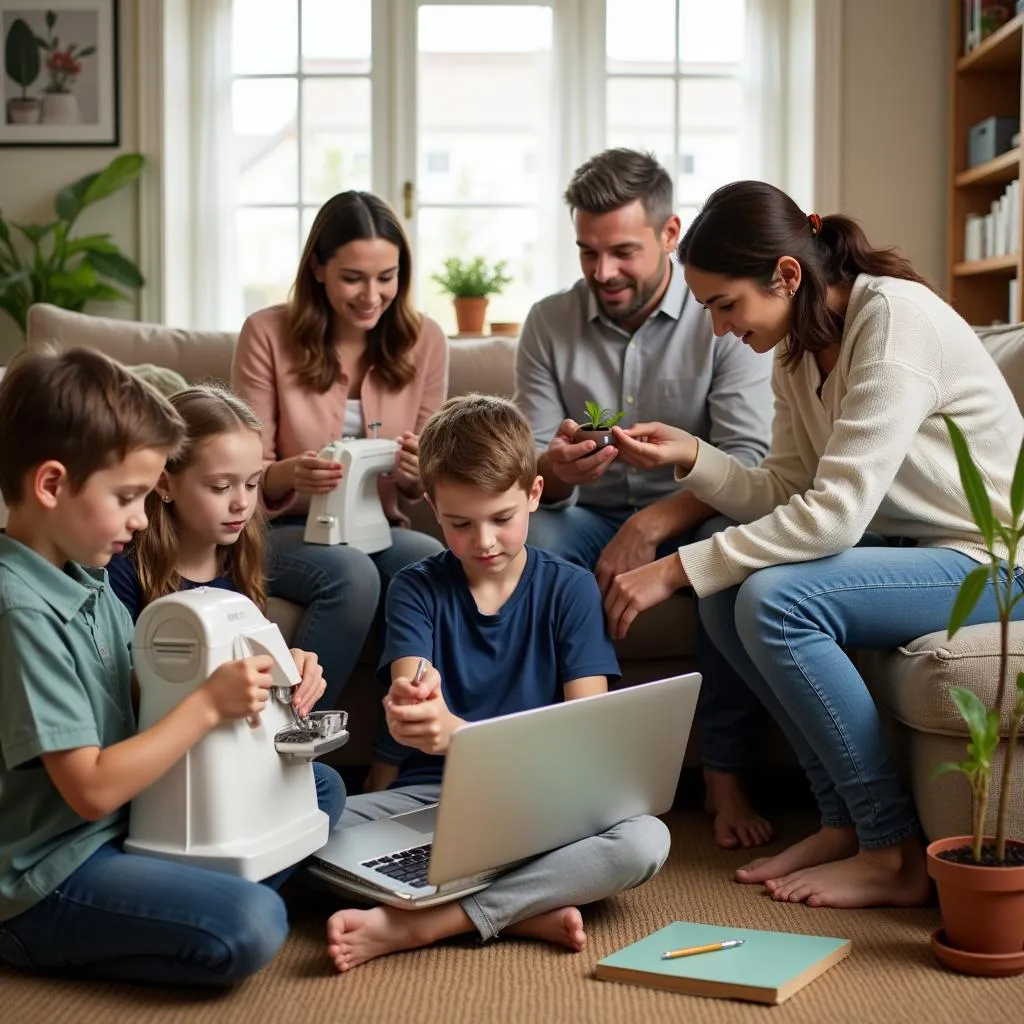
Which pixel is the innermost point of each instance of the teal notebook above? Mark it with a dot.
(768, 968)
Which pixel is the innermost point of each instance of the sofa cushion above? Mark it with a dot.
(1005, 343)
(484, 365)
(913, 681)
(196, 355)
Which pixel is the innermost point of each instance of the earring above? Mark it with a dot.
(165, 498)
(791, 293)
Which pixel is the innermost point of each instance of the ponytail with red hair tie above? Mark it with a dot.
(815, 221)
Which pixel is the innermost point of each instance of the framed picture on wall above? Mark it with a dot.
(59, 73)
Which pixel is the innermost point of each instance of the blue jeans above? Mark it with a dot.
(341, 590)
(728, 712)
(133, 918)
(784, 629)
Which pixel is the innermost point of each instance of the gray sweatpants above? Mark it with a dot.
(624, 856)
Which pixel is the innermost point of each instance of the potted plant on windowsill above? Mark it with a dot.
(470, 282)
(597, 424)
(980, 879)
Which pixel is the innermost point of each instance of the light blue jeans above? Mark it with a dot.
(341, 590)
(728, 711)
(132, 918)
(785, 629)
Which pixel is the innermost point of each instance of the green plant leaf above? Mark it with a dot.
(615, 419)
(90, 243)
(86, 51)
(12, 279)
(967, 597)
(974, 488)
(68, 202)
(21, 54)
(951, 766)
(1020, 683)
(1017, 488)
(116, 266)
(972, 710)
(35, 233)
(105, 293)
(121, 171)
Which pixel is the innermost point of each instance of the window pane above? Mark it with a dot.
(494, 234)
(483, 97)
(336, 36)
(711, 33)
(268, 254)
(264, 36)
(336, 139)
(709, 122)
(640, 116)
(264, 112)
(641, 35)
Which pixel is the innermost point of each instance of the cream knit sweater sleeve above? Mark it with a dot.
(888, 373)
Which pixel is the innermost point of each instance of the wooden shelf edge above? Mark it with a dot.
(980, 56)
(995, 265)
(1004, 168)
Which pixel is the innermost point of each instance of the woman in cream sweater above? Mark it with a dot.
(345, 352)
(855, 529)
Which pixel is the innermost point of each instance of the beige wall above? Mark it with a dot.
(31, 178)
(893, 139)
(895, 107)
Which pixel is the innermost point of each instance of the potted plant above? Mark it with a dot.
(597, 423)
(980, 879)
(54, 267)
(22, 64)
(469, 282)
(60, 105)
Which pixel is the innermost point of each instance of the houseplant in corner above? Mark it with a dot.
(980, 879)
(48, 265)
(469, 282)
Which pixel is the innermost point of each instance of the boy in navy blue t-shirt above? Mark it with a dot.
(502, 627)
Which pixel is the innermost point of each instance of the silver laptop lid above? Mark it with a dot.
(522, 784)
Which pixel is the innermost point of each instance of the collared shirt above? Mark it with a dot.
(65, 683)
(673, 369)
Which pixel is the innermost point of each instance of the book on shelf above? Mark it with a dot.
(768, 967)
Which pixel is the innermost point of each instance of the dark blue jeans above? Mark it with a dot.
(729, 713)
(132, 918)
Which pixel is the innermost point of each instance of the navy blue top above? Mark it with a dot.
(549, 632)
(124, 578)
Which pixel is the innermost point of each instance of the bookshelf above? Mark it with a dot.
(985, 82)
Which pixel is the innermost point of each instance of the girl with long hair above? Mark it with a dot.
(855, 531)
(346, 356)
(205, 529)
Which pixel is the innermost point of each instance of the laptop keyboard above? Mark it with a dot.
(406, 866)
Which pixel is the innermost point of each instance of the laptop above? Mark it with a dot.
(517, 786)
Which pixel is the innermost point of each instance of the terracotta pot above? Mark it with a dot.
(982, 908)
(506, 328)
(23, 111)
(469, 315)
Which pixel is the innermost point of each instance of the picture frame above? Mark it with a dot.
(59, 73)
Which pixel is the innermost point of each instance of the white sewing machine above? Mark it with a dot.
(352, 513)
(243, 799)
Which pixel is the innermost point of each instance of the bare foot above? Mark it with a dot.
(825, 845)
(355, 936)
(736, 821)
(380, 776)
(563, 926)
(895, 876)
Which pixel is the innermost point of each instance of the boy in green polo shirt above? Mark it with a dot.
(84, 442)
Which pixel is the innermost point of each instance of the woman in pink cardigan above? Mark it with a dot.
(345, 352)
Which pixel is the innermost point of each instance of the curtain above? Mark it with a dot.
(765, 101)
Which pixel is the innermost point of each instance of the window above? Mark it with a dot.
(673, 88)
(301, 109)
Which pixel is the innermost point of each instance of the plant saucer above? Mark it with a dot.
(988, 965)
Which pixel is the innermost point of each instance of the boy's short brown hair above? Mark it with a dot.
(481, 440)
(80, 408)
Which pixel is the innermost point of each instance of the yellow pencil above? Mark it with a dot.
(711, 947)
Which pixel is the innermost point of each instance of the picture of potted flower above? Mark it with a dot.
(60, 105)
(22, 65)
(597, 424)
(469, 282)
(980, 879)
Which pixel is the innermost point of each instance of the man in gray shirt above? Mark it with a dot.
(629, 336)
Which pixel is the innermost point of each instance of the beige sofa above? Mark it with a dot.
(910, 684)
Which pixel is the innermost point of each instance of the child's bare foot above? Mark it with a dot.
(563, 926)
(380, 776)
(736, 821)
(355, 936)
(895, 876)
(825, 845)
